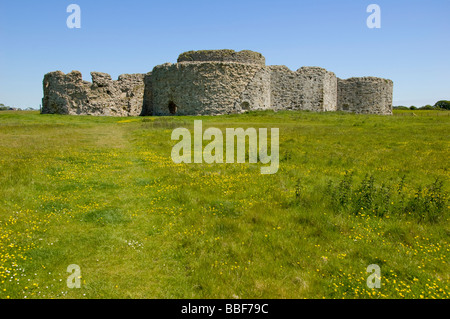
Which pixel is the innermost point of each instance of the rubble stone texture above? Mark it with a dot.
(197, 88)
(244, 56)
(365, 95)
(69, 94)
(214, 82)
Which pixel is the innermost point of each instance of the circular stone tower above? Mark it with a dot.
(211, 82)
(368, 95)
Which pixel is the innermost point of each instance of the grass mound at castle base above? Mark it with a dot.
(103, 193)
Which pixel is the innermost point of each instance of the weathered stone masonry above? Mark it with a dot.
(365, 95)
(69, 94)
(211, 83)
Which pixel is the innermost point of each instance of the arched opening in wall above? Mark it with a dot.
(172, 107)
(245, 106)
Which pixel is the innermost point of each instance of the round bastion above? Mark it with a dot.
(244, 56)
(370, 95)
(210, 83)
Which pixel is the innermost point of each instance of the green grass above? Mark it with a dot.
(103, 193)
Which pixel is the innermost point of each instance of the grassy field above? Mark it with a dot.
(104, 194)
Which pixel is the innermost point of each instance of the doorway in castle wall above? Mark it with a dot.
(172, 107)
(245, 106)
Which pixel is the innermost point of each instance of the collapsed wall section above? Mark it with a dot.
(369, 95)
(308, 88)
(61, 91)
(69, 94)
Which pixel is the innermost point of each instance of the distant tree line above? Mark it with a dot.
(439, 105)
(3, 107)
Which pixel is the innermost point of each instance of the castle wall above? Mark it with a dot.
(199, 88)
(329, 92)
(60, 90)
(244, 56)
(213, 82)
(365, 95)
(147, 107)
(256, 95)
(69, 94)
(308, 88)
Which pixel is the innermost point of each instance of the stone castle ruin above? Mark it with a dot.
(214, 82)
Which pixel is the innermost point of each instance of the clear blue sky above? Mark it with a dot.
(412, 47)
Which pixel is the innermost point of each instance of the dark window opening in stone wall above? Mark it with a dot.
(172, 107)
(245, 106)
